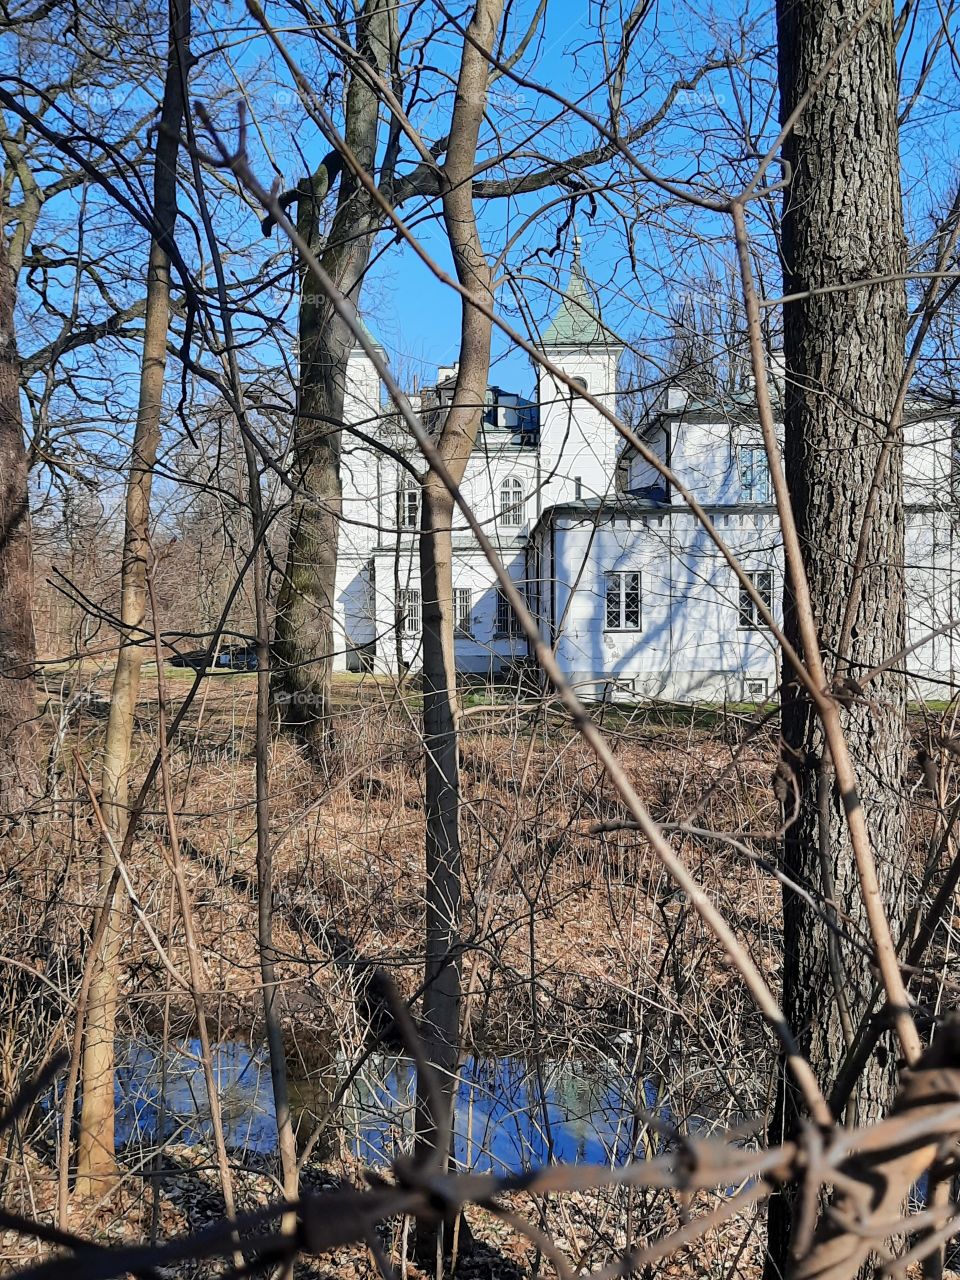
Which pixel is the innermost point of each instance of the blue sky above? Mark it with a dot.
(641, 249)
(417, 318)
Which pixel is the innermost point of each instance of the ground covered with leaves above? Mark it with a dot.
(576, 945)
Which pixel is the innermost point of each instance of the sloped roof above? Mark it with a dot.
(576, 323)
(367, 334)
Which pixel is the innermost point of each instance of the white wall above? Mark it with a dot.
(689, 644)
(642, 474)
(497, 457)
(483, 652)
(576, 441)
(706, 458)
(360, 472)
(928, 459)
(933, 602)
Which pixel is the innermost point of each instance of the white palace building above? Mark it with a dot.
(627, 587)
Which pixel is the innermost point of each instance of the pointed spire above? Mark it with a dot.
(576, 323)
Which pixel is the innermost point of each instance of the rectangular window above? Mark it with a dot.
(507, 622)
(409, 506)
(408, 611)
(622, 601)
(462, 606)
(754, 473)
(750, 619)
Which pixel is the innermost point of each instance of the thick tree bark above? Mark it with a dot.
(18, 697)
(304, 634)
(95, 1151)
(440, 1025)
(842, 222)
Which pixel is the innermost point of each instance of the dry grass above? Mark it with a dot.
(572, 938)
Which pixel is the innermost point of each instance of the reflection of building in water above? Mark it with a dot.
(166, 1089)
(628, 588)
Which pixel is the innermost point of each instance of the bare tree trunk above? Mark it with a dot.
(441, 999)
(304, 635)
(844, 351)
(95, 1152)
(440, 1024)
(286, 1139)
(18, 699)
(259, 523)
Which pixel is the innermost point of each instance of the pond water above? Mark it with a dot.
(508, 1115)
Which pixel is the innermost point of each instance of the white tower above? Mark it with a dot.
(353, 610)
(359, 461)
(578, 447)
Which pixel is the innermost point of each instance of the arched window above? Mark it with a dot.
(511, 501)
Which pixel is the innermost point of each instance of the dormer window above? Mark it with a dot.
(511, 502)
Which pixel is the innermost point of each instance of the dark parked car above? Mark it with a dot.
(232, 657)
(238, 657)
(197, 659)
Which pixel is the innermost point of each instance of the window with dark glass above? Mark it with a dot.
(409, 505)
(750, 619)
(622, 601)
(508, 624)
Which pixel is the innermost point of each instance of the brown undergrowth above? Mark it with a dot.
(575, 945)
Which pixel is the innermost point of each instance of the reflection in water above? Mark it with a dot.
(152, 1088)
(507, 1114)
